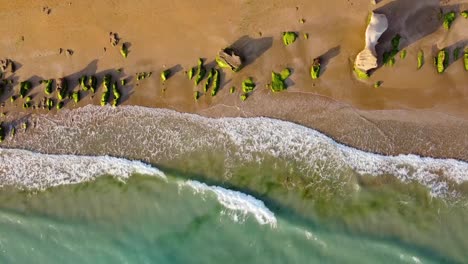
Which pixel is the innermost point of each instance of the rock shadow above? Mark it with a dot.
(250, 49)
(412, 20)
(327, 57)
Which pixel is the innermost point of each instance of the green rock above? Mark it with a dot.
(420, 59)
(448, 19)
(248, 85)
(289, 38)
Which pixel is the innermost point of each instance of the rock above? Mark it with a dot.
(7, 65)
(69, 52)
(367, 59)
(228, 58)
(114, 38)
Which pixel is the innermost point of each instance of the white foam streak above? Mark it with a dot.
(327, 157)
(30, 170)
(237, 202)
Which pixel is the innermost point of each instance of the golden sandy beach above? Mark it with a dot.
(414, 111)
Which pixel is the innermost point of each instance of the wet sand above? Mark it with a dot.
(414, 111)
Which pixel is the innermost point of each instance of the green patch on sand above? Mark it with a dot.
(48, 86)
(248, 85)
(124, 50)
(49, 103)
(92, 83)
(420, 59)
(315, 69)
(215, 83)
(165, 74)
(107, 86)
(24, 88)
(360, 74)
(403, 54)
(200, 73)
(448, 19)
(465, 59)
(441, 61)
(278, 80)
(389, 56)
(289, 38)
(117, 95)
(82, 80)
(464, 14)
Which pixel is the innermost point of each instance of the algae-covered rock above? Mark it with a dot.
(243, 97)
(315, 69)
(92, 83)
(48, 86)
(277, 83)
(464, 14)
(248, 85)
(215, 83)
(82, 81)
(62, 88)
(24, 88)
(59, 105)
(448, 19)
(196, 95)
(441, 60)
(278, 80)
(106, 91)
(76, 96)
(124, 50)
(201, 72)
(165, 74)
(209, 80)
(289, 38)
(232, 90)
(117, 95)
(228, 58)
(420, 59)
(360, 74)
(465, 59)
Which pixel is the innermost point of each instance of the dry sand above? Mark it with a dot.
(414, 111)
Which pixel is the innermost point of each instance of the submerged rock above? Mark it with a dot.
(367, 59)
(228, 58)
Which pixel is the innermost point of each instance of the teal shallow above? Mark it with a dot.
(149, 220)
(312, 200)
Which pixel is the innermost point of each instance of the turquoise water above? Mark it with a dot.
(149, 220)
(219, 191)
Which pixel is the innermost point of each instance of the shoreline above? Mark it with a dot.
(414, 112)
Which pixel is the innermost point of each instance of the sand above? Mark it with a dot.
(414, 111)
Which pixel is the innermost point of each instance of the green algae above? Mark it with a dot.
(420, 59)
(289, 38)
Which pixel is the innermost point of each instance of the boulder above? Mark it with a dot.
(367, 59)
(228, 58)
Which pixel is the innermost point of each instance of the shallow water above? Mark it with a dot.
(287, 194)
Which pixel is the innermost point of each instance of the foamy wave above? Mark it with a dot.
(161, 135)
(328, 158)
(30, 170)
(237, 202)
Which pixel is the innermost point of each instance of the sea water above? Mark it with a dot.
(138, 185)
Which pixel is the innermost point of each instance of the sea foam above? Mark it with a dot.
(160, 135)
(236, 202)
(30, 170)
